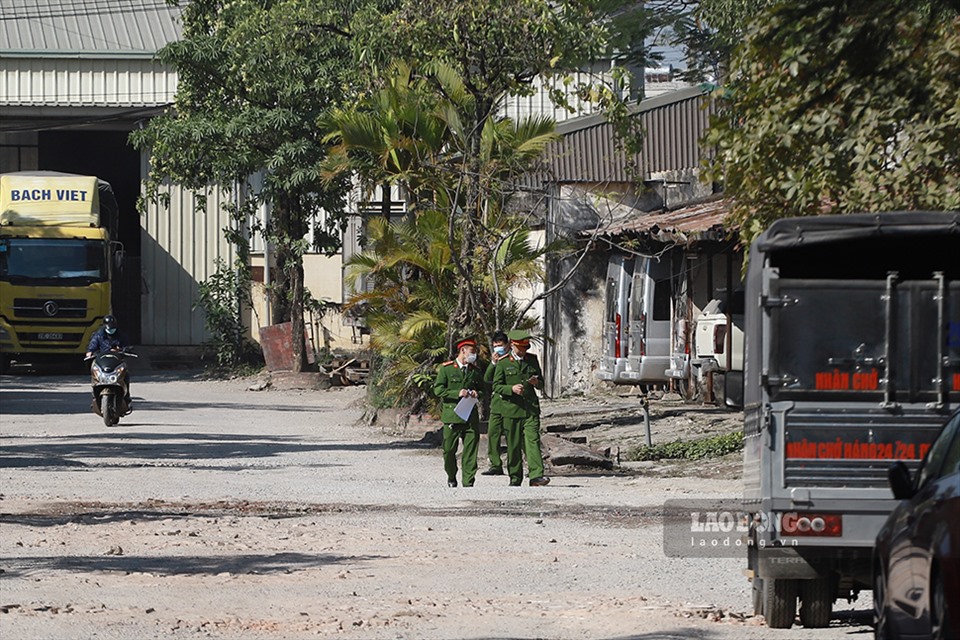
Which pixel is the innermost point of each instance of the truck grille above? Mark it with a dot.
(50, 338)
(853, 448)
(47, 308)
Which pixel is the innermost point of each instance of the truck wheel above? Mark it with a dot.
(816, 602)
(779, 602)
(757, 593)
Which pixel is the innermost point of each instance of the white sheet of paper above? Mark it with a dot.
(465, 407)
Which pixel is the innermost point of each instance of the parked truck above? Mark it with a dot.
(56, 241)
(718, 349)
(852, 361)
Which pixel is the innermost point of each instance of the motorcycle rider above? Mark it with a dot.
(110, 338)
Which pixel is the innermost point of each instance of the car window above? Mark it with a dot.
(943, 449)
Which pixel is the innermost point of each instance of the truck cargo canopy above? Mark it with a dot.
(862, 246)
(796, 232)
(47, 198)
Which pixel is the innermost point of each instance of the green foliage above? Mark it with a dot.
(837, 107)
(709, 31)
(416, 287)
(711, 447)
(499, 46)
(412, 132)
(220, 297)
(263, 83)
(254, 78)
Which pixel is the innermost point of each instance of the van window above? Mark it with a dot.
(636, 295)
(661, 300)
(612, 299)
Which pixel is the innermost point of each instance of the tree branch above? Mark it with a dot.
(566, 278)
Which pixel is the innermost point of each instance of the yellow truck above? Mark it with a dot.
(56, 260)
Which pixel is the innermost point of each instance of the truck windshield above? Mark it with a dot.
(52, 261)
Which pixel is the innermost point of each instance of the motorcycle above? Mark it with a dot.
(111, 385)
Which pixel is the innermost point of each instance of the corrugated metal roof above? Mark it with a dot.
(700, 221)
(86, 28)
(589, 152)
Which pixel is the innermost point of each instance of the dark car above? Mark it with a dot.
(916, 575)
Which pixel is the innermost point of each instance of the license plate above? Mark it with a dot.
(49, 336)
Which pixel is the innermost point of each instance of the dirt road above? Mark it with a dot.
(214, 511)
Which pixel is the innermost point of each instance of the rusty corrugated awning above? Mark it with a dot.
(700, 221)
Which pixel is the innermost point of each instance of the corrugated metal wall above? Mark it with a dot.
(90, 82)
(539, 103)
(673, 132)
(180, 245)
(673, 125)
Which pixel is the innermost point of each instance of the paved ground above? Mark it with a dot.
(214, 511)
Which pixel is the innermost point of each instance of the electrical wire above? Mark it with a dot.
(77, 8)
(91, 10)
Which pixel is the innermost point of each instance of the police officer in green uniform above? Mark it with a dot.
(500, 349)
(456, 379)
(516, 378)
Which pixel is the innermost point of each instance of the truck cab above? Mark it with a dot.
(718, 348)
(55, 262)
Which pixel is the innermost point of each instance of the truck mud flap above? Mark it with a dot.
(784, 562)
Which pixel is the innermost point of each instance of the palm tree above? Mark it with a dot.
(449, 267)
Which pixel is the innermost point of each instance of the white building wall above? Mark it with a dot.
(92, 82)
(540, 103)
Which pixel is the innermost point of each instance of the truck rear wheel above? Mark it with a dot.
(779, 602)
(816, 602)
(757, 593)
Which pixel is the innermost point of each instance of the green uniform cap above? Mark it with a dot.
(519, 334)
(467, 341)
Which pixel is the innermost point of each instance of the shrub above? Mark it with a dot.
(710, 447)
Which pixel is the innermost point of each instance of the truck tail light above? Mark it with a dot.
(643, 334)
(811, 524)
(719, 338)
(616, 340)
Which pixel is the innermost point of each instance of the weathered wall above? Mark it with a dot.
(575, 328)
(180, 243)
(322, 278)
(574, 316)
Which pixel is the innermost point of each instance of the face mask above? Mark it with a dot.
(111, 330)
(471, 358)
(500, 350)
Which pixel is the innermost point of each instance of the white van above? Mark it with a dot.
(636, 334)
(613, 361)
